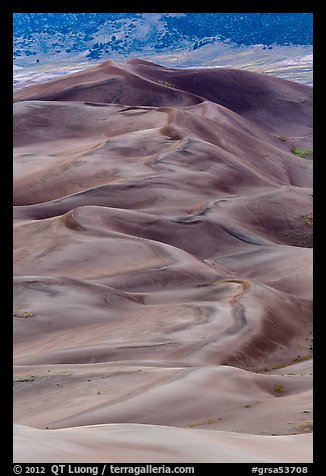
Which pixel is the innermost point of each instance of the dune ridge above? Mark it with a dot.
(163, 267)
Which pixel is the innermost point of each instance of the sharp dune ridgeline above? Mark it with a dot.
(163, 267)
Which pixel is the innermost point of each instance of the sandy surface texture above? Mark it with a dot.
(163, 267)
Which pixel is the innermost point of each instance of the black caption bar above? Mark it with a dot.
(138, 469)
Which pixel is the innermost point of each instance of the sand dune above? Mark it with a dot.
(155, 444)
(163, 267)
(215, 398)
(259, 97)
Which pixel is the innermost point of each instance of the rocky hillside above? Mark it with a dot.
(96, 35)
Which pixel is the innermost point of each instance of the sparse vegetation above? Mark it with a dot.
(275, 367)
(300, 358)
(27, 378)
(278, 388)
(308, 219)
(194, 425)
(301, 152)
(249, 405)
(281, 138)
(301, 238)
(166, 83)
(306, 425)
(23, 314)
(279, 366)
(209, 421)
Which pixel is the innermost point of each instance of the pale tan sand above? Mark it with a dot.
(156, 444)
